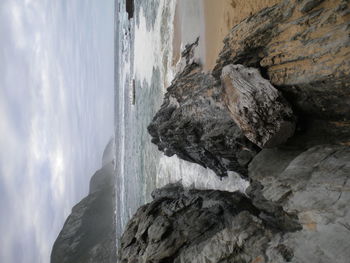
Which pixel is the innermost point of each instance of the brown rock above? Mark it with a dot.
(304, 47)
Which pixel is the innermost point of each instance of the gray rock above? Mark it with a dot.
(195, 226)
(299, 213)
(195, 124)
(313, 185)
(257, 107)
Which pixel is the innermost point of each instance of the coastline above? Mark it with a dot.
(211, 21)
(220, 17)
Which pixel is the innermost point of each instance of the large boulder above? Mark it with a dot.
(183, 225)
(314, 185)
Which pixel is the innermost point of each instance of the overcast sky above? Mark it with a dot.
(56, 115)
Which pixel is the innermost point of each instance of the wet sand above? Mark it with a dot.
(220, 17)
(211, 20)
(188, 25)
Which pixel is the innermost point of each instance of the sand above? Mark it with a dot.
(215, 19)
(220, 17)
(188, 25)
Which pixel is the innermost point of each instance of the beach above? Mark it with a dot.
(211, 21)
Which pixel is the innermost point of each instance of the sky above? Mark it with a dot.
(56, 115)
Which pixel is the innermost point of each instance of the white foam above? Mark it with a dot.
(172, 170)
(149, 49)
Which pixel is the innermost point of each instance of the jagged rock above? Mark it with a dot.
(88, 235)
(296, 211)
(195, 124)
(315, 185)
(196, 226)
(257, 107)
(304, 49)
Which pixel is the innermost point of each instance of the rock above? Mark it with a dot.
(195, 226)
(195, 124)
(297, 212)
(88, 235)
(259, 109)
(315, 185)
(308, 5)
(304, 55)
(129, 5)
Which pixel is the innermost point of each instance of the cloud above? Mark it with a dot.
(56, 112)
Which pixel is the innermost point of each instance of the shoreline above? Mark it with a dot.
(211, 21)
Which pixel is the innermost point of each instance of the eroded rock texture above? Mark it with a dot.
(315, 185)
(304, 47)
(195, 124)
(296, 211)
(297, 206)
(258, 108)
(196, 226)
(88, 235)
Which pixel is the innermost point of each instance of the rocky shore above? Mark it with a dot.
(275, 110)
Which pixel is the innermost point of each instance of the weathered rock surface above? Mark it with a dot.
(315, 186)
(88, 235)
(258, 108)
(296, 208)
(196, 226)
(195, 124)
(297, 212)
(304, 48)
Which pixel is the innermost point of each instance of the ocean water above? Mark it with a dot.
(143, 62)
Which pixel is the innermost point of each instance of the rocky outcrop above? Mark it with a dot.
(304, 49)
(296, 212)
(88, 235)
(195, 226)
(195, 124)
(129, 6)
(315, 186)
(296, 208)
(258, 108)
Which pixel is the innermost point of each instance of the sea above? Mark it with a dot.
(144, 68)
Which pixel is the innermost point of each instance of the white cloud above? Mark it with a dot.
(54, 123)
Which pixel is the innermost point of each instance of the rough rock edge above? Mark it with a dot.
(258, 108)
(179, 223)
(287, 217)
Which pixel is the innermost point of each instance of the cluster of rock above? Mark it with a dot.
(297, 212)
(275, 109)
